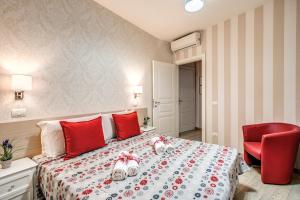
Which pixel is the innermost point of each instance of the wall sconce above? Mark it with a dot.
(137, 91)
(19, 84)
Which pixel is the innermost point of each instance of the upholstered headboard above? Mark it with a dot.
(26, 134)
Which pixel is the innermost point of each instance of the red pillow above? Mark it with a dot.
(127, 125)
(82, 137)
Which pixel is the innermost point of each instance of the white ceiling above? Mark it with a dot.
(167, 19)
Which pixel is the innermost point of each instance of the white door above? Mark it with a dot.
(187, 98)
(165, 98)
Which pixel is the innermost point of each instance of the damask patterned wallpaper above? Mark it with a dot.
(83, 58)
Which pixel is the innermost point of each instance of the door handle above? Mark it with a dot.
(155, 103)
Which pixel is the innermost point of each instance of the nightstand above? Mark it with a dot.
(16, 182)
(148, 129)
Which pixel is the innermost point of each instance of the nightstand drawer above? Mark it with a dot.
(21, 181)
(24, 196)
(21, 194)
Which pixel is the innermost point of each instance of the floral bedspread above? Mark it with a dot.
(194, 170)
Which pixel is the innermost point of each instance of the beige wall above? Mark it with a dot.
(83, 58)
(253, 70)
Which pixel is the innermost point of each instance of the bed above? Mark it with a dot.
(194, 170)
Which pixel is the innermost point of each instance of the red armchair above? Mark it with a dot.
(275, 145)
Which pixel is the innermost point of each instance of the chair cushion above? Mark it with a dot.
(253, 148)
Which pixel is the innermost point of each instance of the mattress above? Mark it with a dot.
(194, 170)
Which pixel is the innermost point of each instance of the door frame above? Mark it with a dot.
(201, 58)
(195, 93)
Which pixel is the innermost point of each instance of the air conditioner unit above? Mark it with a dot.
(187, 41)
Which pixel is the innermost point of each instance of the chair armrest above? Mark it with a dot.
(254, 132)
(280, 145)
(278, 156)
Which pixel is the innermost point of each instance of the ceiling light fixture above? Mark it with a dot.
(193, 5)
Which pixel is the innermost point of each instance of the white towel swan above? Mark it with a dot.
(169, 147)
(120, 170)
(159, 146)
(133, 164)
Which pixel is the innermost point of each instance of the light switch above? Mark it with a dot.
(18, 112)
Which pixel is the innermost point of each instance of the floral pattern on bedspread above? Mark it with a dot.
(194, 170)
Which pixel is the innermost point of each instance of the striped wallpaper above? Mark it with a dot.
(253, 71)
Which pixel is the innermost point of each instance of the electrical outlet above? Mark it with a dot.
(18, 112)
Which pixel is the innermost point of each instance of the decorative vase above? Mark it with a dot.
(5, 164)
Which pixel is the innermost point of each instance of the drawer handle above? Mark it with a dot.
(11, 188)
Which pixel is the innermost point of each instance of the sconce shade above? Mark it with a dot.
(138, 89)
(21, 82)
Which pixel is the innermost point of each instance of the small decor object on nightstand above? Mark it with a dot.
(7, 154)
(146, 121)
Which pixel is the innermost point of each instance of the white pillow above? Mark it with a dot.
(108, 126)
(52, 137)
